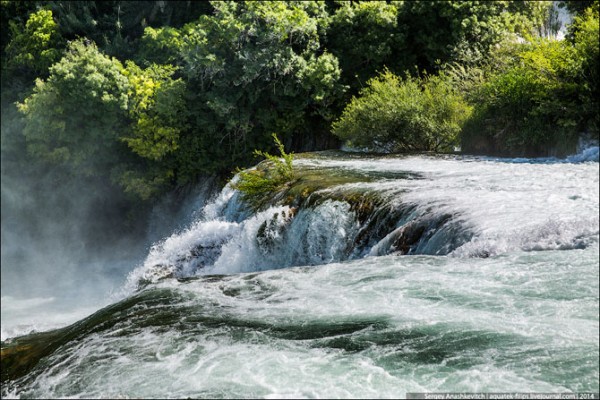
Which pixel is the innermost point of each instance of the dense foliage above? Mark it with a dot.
(85, 93)
(538, 96)
(150, 96)
(267, 178)
(413, 114)
(254, 68)
(32, 51)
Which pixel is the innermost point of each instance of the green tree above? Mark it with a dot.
(463, 31)
(98, 21)
(12, 12)
(157, 111)
(586, 37)
(161, 46)
(395, 115)
(35, 48)
(115, 25)
(254, 68)
(364, 37)
(75, 117)
(529, 104)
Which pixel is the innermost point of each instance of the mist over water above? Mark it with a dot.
(64, 253)
(46, 260)
(498, 290)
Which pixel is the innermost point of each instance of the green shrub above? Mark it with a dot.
(75, 116)
(531, 104)
(35, 48)
(586, 33)
(398, 115)
(256, 185)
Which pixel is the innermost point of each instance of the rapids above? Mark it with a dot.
(384, 276)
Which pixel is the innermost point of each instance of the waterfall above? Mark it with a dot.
(365, 277)
(443, 208)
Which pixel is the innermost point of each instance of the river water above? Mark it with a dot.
(464, 274)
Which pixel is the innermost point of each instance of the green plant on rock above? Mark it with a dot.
(256, 185)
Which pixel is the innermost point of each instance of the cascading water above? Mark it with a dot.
(400, 274)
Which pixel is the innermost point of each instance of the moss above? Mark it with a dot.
(309, 186)
(312, 186)
(20, 355)
(311, 181)
(257, 185)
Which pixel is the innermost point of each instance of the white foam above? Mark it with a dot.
(524, 322)
(21, 316)
(588, 154)
(532, 315)
(506, 206)
(496, 200)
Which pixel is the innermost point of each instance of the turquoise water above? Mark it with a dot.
(511, 306)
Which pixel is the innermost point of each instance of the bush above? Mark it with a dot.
(36, 47)
(586, 42)
(396, 115)
(533, 104)
(257, 184)
(75, 116)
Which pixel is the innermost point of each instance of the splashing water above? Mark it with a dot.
(464, 207)
(462, 275)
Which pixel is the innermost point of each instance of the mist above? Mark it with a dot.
(68, 242)
(61, 245)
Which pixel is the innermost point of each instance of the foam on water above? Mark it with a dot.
(501, 206)
(317, 236)
(375, 327)
(514, 305)
(23, 316)
(498, 201)
(589, 154)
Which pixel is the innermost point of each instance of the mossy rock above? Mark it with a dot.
(298, 191)
(20, 355)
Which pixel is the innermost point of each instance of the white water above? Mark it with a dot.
(522, 318)
(508, 205)
(520, 322)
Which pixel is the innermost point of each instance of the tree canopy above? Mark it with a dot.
(153, 95)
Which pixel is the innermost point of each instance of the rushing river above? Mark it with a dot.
(460, 274)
